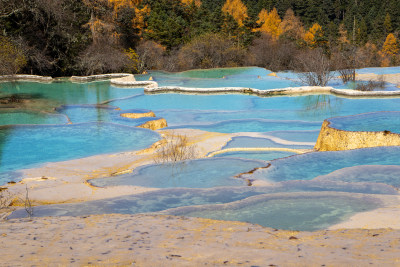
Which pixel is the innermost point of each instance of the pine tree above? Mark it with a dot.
(387, 24)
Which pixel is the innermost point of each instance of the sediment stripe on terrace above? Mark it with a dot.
(258, 149)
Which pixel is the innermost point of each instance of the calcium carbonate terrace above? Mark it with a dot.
(268, 165)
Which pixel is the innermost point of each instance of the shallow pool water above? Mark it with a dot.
(27, 146)
(290, 211)
(29, 117)
(389, 175)
(295, 136)
(253, 142)
(260, 155)
(57, 93)
(202, 173)
(146, 202)
(310, 165)
(164, 199)
(305, 192)
(255, 125)
(386, 70)
(370, 122)
(97, 113)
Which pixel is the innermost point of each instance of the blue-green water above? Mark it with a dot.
(28, 146)
(310, 165)
(372, 122)
(12, 117)
(201, 173)
(94, 110)
(306, 212)
(252, 142)
(268, 155)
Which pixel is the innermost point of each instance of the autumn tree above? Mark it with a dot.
(270, 23)
(314, 37)
(236, 9)
(272, 54)
(343, 40)
(150, 55)
(12, 59)
(139, 22)
(189, 2)
(210, 51)
(119, 4)
(291, 26)
(391, 45)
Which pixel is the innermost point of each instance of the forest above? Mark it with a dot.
(84, 37)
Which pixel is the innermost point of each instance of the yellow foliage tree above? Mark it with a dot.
(313, 35)
(134, 62)
(117, 4)
(189, 2)
(270, 23)
(11, 58)
(291, 26)
(236, 9)
(343, 35)
(391, 45)
(138, 21)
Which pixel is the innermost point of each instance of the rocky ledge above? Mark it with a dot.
(333, 139)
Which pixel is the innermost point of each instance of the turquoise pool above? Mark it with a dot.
(27, 146)
(368, 122)
(49, 122)
(201, 173)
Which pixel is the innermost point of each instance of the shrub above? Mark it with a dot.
(372, 85)
(210, 51)
(316, 68)
(177, 148)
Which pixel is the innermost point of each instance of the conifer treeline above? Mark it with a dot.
(75, 37)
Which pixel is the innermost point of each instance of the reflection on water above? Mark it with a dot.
(313, 105)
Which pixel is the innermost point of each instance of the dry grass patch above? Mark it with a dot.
(177, 148)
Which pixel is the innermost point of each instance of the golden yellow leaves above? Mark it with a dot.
(189, 2)
(270, 23)
(391, 45)
(139, 21)
(11, 58)
(236, 9)
(313, 35)
(117, 4)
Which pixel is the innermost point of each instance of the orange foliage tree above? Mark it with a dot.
(314, 36)
(139, 22)
(189, 2)
(291, 26)
(12, 59)
(236, 9)
(117, 4)
(270, 23)
(391, 45)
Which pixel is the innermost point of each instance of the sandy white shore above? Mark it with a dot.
(156, 240)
